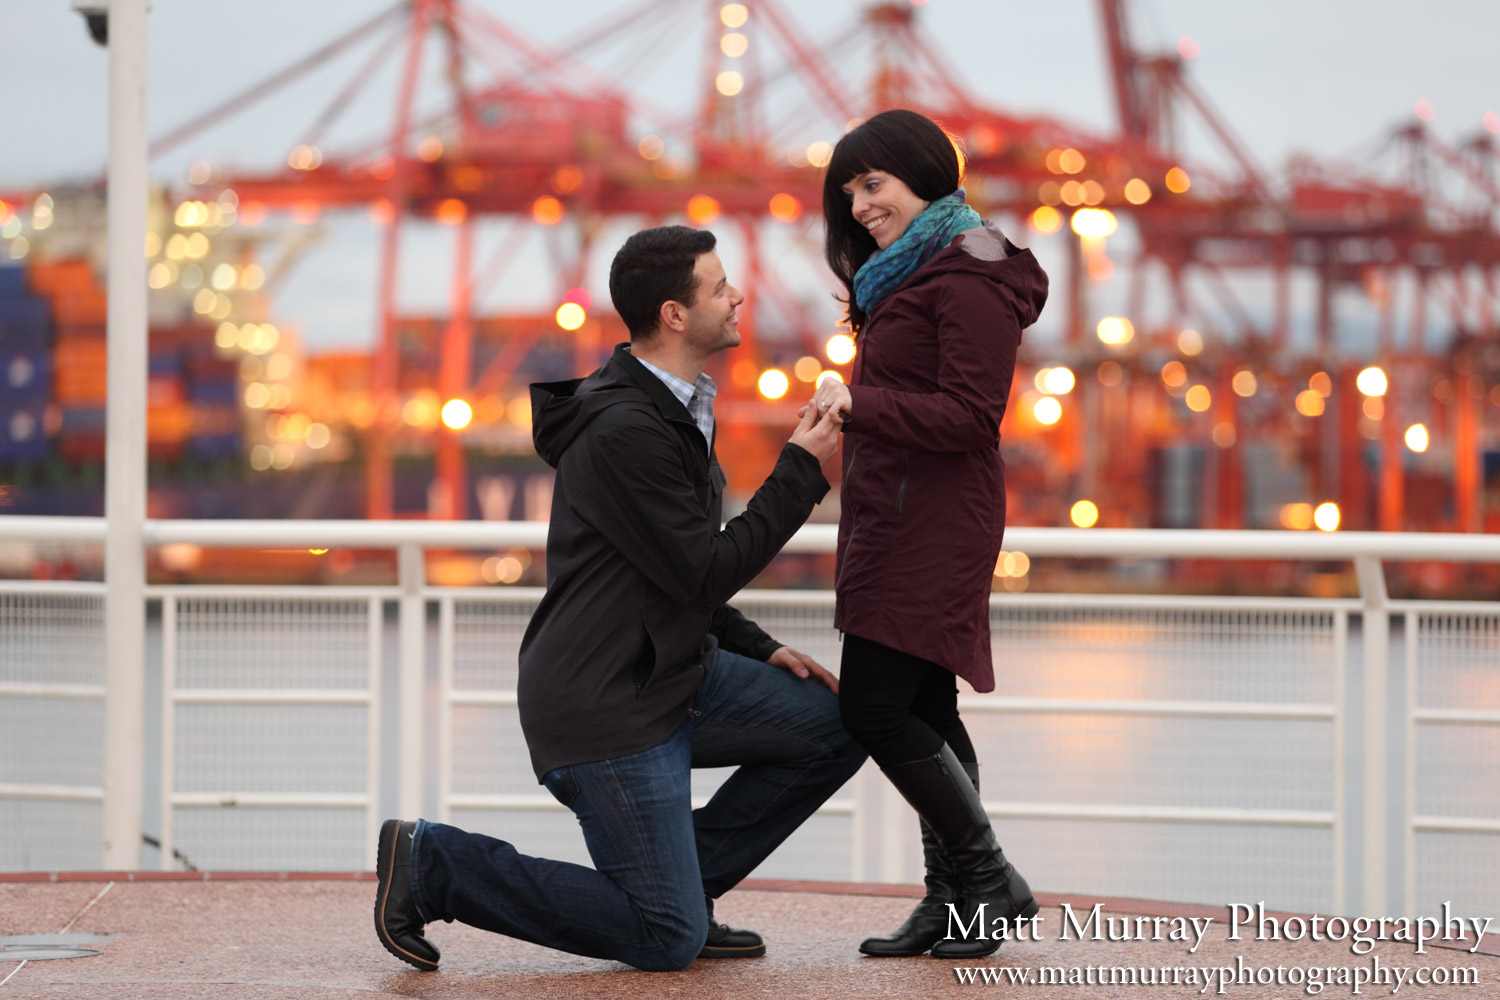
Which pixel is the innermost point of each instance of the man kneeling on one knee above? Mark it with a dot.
(633, 669)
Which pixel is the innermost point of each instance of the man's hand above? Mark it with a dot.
(818, 433)
(804, 666)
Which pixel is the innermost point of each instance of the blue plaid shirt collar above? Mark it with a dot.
(697, 396)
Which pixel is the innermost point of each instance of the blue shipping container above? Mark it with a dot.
(224, 393)
(84, 420)
(23, 436)
(214, 446)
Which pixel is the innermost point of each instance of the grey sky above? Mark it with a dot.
(1328, 77)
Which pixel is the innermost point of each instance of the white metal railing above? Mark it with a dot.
(364, 696)
(412, 598)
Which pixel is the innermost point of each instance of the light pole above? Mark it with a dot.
(125, 449)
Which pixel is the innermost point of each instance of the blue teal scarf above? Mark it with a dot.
(927, 234)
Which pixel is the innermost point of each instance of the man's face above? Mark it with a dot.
(711, 321)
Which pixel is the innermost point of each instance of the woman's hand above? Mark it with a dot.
(803, 666)
(832, 395)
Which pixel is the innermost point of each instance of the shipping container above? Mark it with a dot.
(80, 307)
(25, 376)
(191, 340)
(214, 393)
(13, 283)
(162, 363)
(165, 390)
(25, 326)
(214, 421)
(168, 422)
(62, 277)
(23, 433)
(83, 420)
(214, 446)
(82, 449)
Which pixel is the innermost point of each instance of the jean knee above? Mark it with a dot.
(679, 948)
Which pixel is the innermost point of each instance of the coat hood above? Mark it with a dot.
(561, 410)
(984, 250)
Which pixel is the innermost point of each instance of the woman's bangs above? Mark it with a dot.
(856, 153)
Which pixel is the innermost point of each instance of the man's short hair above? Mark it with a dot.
(655, 266)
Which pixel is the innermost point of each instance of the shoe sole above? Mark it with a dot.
(385, 868)
(1030, 910)
(754, 951)
(904, 953)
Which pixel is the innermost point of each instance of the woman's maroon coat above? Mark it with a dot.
(924, 483)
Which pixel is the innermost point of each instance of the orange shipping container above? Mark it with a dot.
(69, 350)
(80, 388)
(168, 423)
(207, 421)
(62, 276)
(164, 390)
(80, 308)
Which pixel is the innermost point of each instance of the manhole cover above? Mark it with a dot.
(41, 947)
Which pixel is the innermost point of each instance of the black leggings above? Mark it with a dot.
(900, 707)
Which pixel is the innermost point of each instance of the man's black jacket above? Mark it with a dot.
(638, 568)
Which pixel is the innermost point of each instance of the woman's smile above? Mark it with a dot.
(883, 205)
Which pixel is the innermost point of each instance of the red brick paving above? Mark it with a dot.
(235, 936)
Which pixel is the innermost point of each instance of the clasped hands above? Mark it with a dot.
(823, 419)
(832, 395)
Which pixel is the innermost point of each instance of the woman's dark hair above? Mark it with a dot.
(903, 143)
(655, 266)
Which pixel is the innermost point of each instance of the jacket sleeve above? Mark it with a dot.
(738, 634)
(978, 336)
(642, 499)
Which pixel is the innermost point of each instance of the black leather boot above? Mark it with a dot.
(994, 897)
(928, 921)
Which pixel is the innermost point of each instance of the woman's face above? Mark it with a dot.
(883, 204)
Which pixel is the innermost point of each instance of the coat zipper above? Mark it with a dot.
(901, 493)
(843, 563)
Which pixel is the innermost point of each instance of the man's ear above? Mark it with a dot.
(672, 316)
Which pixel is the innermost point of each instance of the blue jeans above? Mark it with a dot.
(655, 857)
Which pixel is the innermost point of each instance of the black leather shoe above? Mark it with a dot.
(397, 923)
(724, 941)
(730, 942)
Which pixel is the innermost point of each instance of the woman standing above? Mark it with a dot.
(937, 302)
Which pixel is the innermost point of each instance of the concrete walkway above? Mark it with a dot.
(237, 936)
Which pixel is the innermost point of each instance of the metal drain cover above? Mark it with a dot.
(41, 947)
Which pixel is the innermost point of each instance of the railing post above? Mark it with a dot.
(1376, 631)
(412, 643)
(125, 446)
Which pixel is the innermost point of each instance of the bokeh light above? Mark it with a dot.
(1046, 219)
(1309, 403)
(840, 349)
(1047, 411)
(1372, 381)
(1084, 514)
(1137, 191)
(1115, 330)
(457, 414)
(773, 383)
